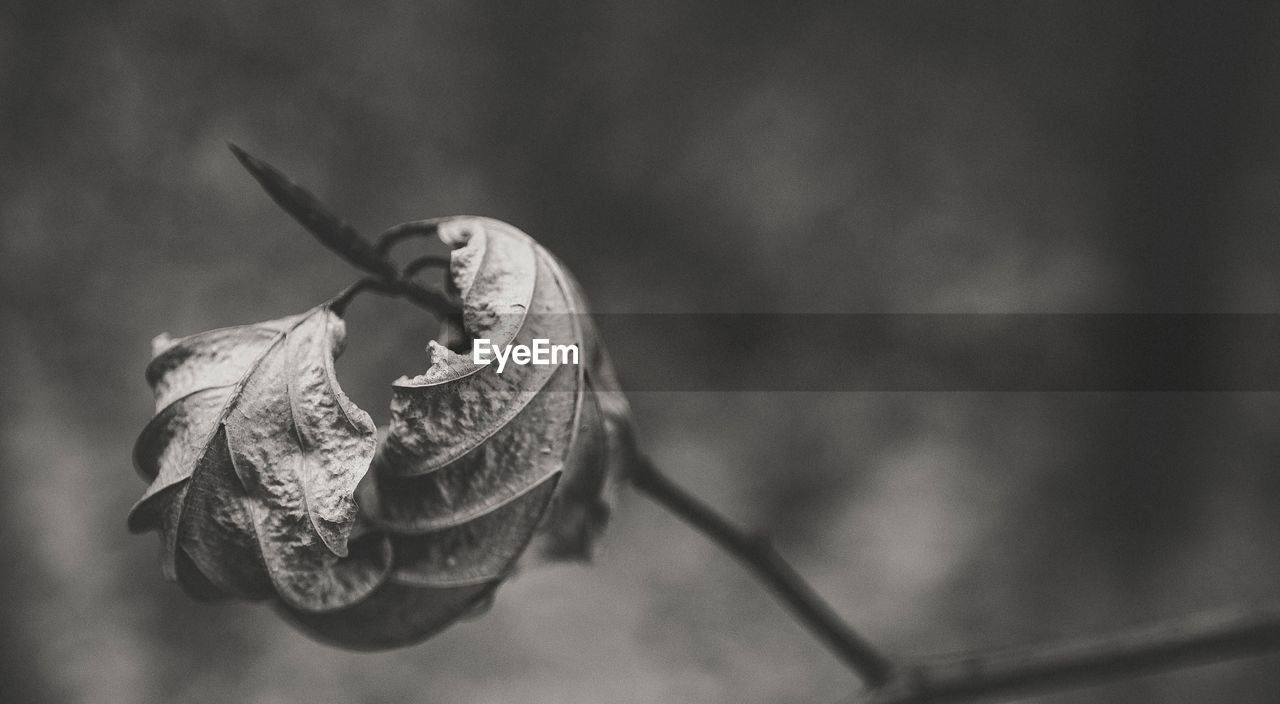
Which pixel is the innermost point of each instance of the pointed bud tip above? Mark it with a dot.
(256, 166)
(240, 154)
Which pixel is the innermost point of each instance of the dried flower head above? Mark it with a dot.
(257, 460)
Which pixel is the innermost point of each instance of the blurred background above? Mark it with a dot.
(680, 157)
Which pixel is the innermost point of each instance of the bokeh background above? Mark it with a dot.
(681, 157)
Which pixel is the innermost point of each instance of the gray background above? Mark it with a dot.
(681, 157)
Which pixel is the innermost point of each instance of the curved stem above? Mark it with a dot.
(338, 304)
(430, 299)
(758, 555)
(1023, 671)
(426, 261)
(398, 233)
(998, 674)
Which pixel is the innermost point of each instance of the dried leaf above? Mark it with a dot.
(192, 377)
(218, 535)
(510, 296)
(525, 452)
(595, 470)
(394, 616)
(254, 460)
(478, 464)
(475, 552)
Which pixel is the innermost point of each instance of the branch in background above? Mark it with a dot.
(758, 555)
(1002, 674)
(1015, 672)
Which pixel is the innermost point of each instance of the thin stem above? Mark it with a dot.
(426, 261)
(1001, 674)
(432, 300)
(338, 304)
(758, 555)
(398, 233)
